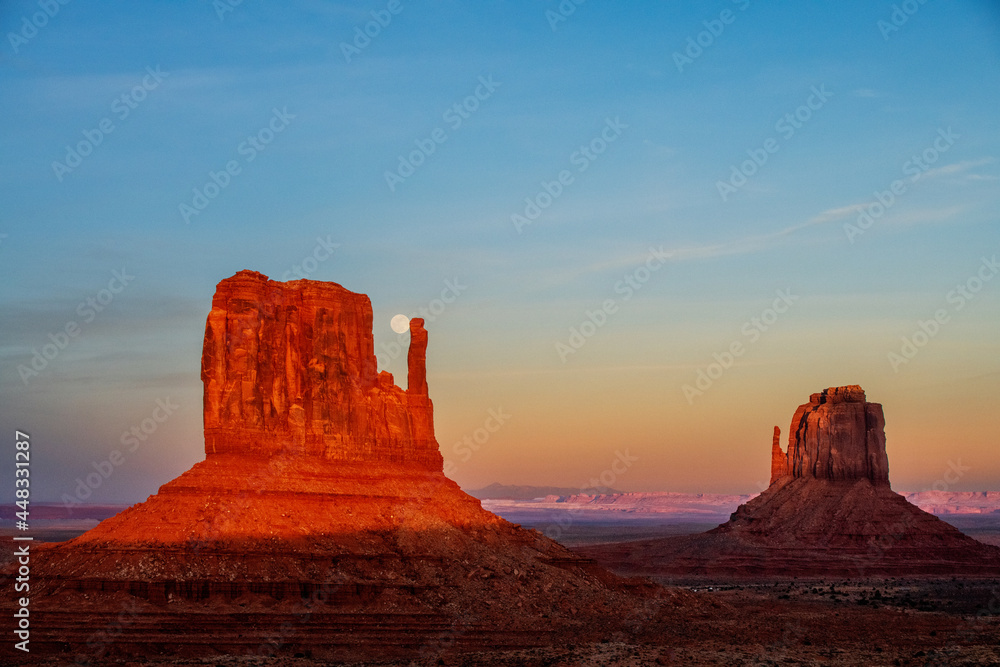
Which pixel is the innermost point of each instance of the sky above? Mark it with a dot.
(639, 234)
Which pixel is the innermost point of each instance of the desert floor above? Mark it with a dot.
(880, 621)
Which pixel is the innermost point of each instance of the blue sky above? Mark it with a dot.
(223, 77)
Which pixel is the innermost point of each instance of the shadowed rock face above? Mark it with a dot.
(837, 435)
(779, 462)
(290, 367)
(829, 510)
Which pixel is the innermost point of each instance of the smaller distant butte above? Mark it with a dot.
(829, 511)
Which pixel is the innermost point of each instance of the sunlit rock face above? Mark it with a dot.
(837, 435)
(322, 486)
(290, 368)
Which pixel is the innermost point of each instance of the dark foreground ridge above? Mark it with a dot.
(829, 511)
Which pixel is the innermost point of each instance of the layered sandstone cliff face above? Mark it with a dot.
(829, 510)
(321, 507)
(837, 435)
(290, 367)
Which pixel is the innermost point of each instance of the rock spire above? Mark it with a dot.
(829, 511)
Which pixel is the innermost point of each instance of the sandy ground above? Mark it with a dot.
(926, 621)
(919, 621)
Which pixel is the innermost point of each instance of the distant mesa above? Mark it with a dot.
(497, 491)
(321, 507)
(829, 510)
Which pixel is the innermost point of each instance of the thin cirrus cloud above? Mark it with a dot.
(957, 168)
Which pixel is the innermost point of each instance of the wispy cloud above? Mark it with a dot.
(750, 244)
(925, 216)
(762, 242)
(741, 246)
(563, 370)
(957, 168)
(659, 150)
(833, 214)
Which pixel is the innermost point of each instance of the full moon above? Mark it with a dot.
(400, 323)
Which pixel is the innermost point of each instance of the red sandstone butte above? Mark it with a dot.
(837, 435)
(290, 367)
(320, 521)
(829, 510)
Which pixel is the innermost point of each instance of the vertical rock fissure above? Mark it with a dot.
(837, 435)
(295, 363)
